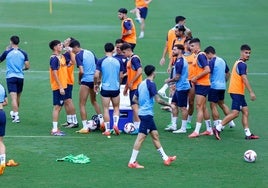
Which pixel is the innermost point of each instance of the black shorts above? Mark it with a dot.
(107, 93)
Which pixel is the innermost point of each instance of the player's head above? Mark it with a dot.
(194, 45)
(210, 52)
(126, 49)
(149, 70)
(177, 50)
(109, 47)
(187, 44)
(180, 20)
(179, 30)
(55, 45)
(118, 44)
(14, 40)
(122, 12)
(68, 41)
(245, 52)
(75, 45)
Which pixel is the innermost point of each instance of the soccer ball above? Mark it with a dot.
(250, 156)
(92, 125)
(129, 128)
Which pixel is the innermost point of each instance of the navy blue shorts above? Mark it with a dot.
(238, 101)
(216, 95)
(58, 99)
(107, 93)
(15, 84)
(88, 84)
(2, 122)
(131, 95)
(202, 90)
(143, 12)
(180, 98)
(69, 91)
(147, 124)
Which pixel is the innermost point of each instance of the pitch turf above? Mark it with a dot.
(201, 162)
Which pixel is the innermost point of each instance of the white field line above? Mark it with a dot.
(44, 137)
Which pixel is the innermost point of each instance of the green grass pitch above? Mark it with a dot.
(201, 162)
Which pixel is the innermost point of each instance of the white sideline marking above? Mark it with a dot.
(43, 137)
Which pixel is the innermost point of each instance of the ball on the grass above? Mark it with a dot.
(92, 125)
(250, 156)
(129, 128)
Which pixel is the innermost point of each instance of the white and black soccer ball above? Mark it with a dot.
(250, 156)
(129, 128)
(91, 124)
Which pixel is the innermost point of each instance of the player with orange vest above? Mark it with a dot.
(238, 83)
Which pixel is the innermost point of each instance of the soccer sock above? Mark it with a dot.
(3, 159)
(164, 88)
(84, 123)
(247, 132)
(55, 126)
(137, 124)
(100, 116)
(189, 118)
(197, 127)
(162, 153)
(219, 127)
(107, 126)
(16, 115)
(232, 123)
(174, 121)
(183, 124)
(69, 119)
(169, 100)
(116, 119)
(74, 119)
(134, 156)
(216, 122)
(208, 125)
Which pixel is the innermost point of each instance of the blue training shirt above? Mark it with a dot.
(145, 93)
(110, 68)
(218, 69)
(87, 60)
(15, 60)
(181, 68)
(3, 94)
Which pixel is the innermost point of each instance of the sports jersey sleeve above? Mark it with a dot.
(54, 63)
(151, 88)
(3, 56)
(127, 25)
(212, 64)
(179, 66)
(202, 59)
(79, 59)
(226, 68)
(242, 68)
(67, 56)
(25, 55)
(136, 63)
(98, 65)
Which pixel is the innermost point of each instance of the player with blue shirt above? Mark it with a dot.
(180, 97)
(145, 97)
(16, 62)
(3, 102)
(109, 73)
(219, 74)
(86, 62)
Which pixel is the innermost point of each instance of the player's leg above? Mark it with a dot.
(116, 114)
(191, 98)
(2, 145)
(83, 96)
(106, 116)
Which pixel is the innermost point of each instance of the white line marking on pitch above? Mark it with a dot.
(42, 137)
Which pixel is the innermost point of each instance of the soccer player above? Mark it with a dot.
(68, 104)
(16, 62)
(58, 82)
(134, 72)
(202, 86)
(145, 97)
(128, 30)
(3, 102)
(179, 99)
(109, 72)
(238, 83)
(141, 10)
(86, 62)
(219, 74)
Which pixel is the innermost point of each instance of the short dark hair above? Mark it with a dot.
(245, 47)
(210, 49)
(74, 43)
(123, 10)
(109, 47)
(125, 46)
(194, 40)
(179, 18)
(119, 41)
(15, 39)
(180, 28)
(149, 69)
(53, 43)
(179, 46)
